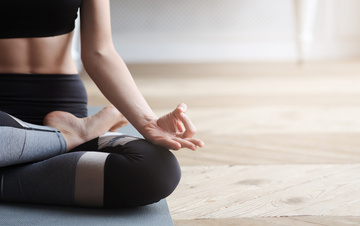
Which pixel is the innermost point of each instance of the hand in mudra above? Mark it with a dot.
(173, 130)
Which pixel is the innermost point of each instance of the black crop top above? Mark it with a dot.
(37, 18)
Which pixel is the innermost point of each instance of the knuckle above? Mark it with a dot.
(191, 132)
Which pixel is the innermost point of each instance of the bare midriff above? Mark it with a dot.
(48, 55)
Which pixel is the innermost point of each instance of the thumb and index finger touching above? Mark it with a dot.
(189, 128)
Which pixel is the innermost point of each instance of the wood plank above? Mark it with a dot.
(219, 192)
(273, 221)
(289, 148)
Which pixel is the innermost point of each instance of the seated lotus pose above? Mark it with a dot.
(51, 152)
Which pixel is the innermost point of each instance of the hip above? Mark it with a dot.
(30, 97)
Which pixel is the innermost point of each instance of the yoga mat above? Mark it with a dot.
(27, 214)
(14, 214)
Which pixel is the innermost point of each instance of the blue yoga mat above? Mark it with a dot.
(25, 215)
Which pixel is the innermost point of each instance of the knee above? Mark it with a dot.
(142, 175)
(162, 174)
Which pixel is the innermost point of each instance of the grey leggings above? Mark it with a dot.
(113, 170)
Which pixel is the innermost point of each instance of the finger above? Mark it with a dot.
(186, 143)
(190, 129)
(182, 107)
(178, 110)
(180, 126)
(199, 143)
(169, 144)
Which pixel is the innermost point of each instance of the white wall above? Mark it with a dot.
(230, 30)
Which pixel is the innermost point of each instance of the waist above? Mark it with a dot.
(48, 55)
(31, 96)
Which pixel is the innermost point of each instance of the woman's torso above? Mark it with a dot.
(37, 76)
(37, 71)
(46, 55)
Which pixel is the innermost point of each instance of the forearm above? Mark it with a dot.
(113, 78)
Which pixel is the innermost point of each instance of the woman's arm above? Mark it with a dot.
(106, 67)
(113, 78)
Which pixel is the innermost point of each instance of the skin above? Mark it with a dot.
(77, 131)
(52, 55)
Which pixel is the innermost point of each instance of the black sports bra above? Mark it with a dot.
(37, 18)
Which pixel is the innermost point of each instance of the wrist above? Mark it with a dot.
(143, 121)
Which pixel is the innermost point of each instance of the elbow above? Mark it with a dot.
(92, 57)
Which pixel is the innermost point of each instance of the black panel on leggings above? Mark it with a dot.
(140, 174)
(51, 181)
(91, 145)
(1, 184)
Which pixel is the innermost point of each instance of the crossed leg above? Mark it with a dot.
(22, 142)
(117, 171)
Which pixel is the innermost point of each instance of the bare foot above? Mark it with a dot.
(79, 130)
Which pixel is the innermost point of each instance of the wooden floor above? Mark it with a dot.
(282, 141)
